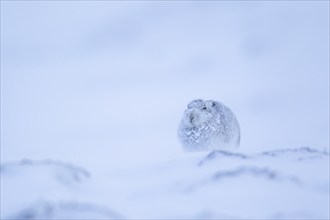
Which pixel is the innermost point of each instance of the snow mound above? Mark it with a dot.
(63, 173)
(276, 184)
(65, 210)
(302, 153)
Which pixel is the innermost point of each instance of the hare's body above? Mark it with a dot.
(208, 125)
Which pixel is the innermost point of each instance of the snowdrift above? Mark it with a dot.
(281, 184)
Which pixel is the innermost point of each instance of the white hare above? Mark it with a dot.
(208, 125)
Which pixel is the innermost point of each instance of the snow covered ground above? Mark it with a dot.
(279, 184)
(92, 94)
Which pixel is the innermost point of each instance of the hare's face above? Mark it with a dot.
(199, 112)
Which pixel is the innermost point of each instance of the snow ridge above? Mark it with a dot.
(65, 173)
(191, 186)
(263, 172)
(63, 210)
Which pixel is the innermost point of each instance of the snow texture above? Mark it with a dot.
(278, 184)
(92, 93)
(208, 125)
(64, 210)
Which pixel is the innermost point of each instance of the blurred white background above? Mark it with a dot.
(108, 81)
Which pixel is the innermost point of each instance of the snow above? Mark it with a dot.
(92, 94)
(220, 184)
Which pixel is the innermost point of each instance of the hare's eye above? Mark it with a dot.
(204, 108)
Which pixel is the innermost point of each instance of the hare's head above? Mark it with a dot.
(199, 112)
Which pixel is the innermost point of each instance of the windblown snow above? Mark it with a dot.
(92, 95)
(281, 184)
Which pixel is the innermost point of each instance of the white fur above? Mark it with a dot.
(208, 125)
